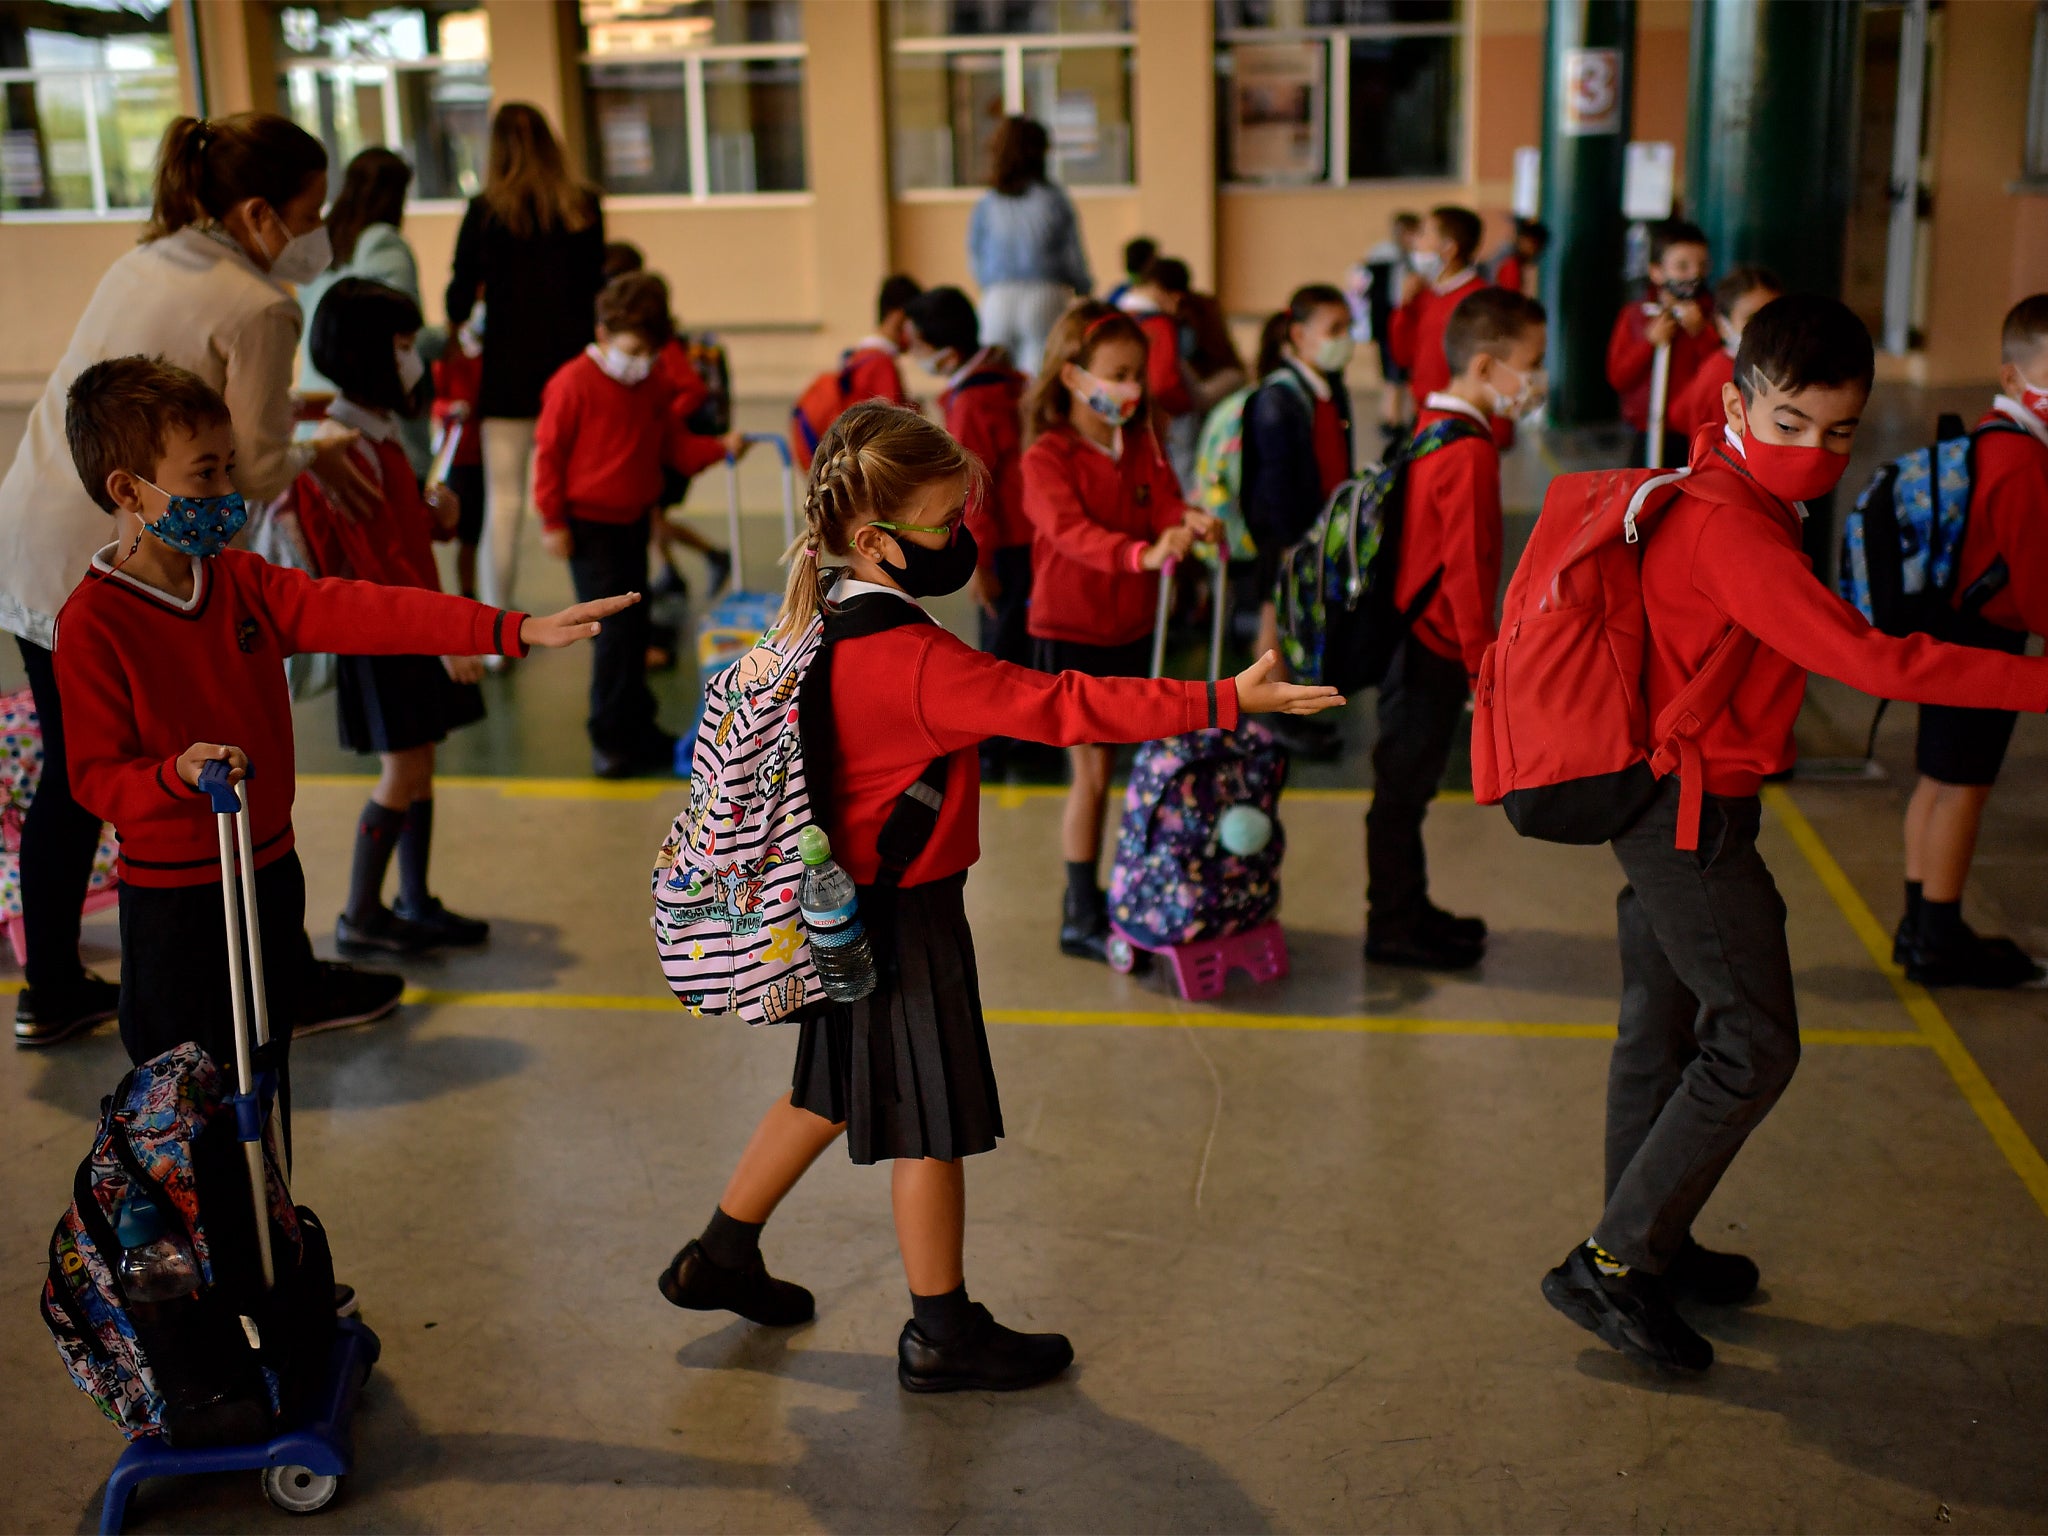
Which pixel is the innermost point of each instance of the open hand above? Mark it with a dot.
(572, 624)
(1260, 693)
(1170, 545)
(200, 753)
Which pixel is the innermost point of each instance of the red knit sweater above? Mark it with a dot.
(982, 414)
(2009, 520)
(1629, 356)
(600, 445)
(394, 547)
(1094, 516)
(1452, 519)
(1727, 552)
(908, 695)
(1416, 333)
(143, 680)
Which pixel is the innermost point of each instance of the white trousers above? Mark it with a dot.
(1019, 316)
(508, 489)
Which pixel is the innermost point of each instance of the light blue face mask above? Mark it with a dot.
(198, 525)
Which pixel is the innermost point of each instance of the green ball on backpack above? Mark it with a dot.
(1244, 830)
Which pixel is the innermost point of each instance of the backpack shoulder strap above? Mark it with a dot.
(1675, 735)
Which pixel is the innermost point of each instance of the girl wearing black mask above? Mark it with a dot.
(905, 1073)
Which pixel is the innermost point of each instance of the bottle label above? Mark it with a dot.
(838, 938)
(825, 919)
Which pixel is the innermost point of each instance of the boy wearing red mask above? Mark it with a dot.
(2005, 552)
(1708, 1032)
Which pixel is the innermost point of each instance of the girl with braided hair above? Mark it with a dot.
(905, 1073)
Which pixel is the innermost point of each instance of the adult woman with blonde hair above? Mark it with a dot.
(1024, 244)
(236, 220)
(531, 247)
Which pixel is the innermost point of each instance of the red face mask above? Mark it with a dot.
(2032, 397)
(1790, 472)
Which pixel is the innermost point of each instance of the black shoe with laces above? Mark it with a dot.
(1421, 950)
(1084, 927)
(694, 1281)
(341, 995)
(1710, 1278)
(443, 927)
(987, 1358)
(381, 932)
(1965, 958)
(1631, 1312)
(45, 1015)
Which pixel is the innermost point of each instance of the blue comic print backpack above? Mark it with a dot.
(1174, 882)
(1901, 543)
(727, 923)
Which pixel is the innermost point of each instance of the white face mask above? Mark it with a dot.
(304, 257)
(410, 368)
(625, 367)
(1428, 265)
(1333, 353)
(1535, 386)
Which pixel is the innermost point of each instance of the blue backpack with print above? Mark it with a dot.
(1902, 542)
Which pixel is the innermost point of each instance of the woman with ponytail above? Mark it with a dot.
(236, 221)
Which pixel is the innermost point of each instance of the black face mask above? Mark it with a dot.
(935, 572)
(1685, 288)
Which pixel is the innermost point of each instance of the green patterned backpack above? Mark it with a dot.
(1219, 463)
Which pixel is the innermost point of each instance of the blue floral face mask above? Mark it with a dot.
(198, 525)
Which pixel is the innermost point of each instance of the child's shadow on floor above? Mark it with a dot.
(519, 957)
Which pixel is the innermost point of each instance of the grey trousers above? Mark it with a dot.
(1709, 1032)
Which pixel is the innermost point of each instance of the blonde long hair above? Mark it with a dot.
(528, 185)
(871, 462)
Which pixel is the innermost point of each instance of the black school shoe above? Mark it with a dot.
(1084, 927)
(1420, 949)
(381, 932)
(1631, 1312)
(694, 1282)
(48, 1014)
(1966, 958)
(988, 1358)
(1451, 929)
(340, 995)
(1710, 1278)
(444, 929)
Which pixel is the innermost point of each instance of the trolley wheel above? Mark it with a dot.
(1123, 955)
(299, 1490)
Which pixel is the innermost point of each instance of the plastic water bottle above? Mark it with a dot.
(831, 908)
(156, 1263)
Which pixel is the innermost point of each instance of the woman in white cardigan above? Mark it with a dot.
(237, 216)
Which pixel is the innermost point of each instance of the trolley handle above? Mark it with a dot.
(215, 784)
(732, 499)
(1218, 616)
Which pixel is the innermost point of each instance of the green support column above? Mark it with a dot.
(1768, 140)
(1588, 85)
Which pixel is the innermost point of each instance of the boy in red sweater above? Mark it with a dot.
(2002, 590)
(171, 655)
(608, 424)
(983, 408)
(1442, 278)
(1450, 535)
(1737, 297)
(1709, 1031)
(1679, 313)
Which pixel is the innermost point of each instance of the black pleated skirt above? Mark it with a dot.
(396, 703)
(907, 1068)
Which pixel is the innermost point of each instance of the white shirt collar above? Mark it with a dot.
(1132, 302)
(1115, 450)
(377, 426)
(850, 586)
(1437, 400)
(1453, 284)
(968, 369)
(2005, 405)
(103, 562)
(875, 344)
(1313, 377)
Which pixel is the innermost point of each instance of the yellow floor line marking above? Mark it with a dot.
(1919, 1004)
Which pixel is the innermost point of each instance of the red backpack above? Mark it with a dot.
(1561, 735)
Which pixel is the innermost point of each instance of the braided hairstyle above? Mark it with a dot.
(872, 462)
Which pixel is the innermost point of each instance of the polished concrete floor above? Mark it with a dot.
(1295, 1235)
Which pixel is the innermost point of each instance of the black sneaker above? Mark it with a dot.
(990, 1358)
(1451, 929)
(1084, 927)
(1421, 950)
(1710, 1278)
(1968, 959)
(341, 995)
(443, 927)
(50, 1014)
(693, 1280)
(382, 932)
(1632, 1312)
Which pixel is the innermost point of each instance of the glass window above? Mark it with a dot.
(85, 92)
(2037, 100)
(957, 68)
(415, 79)
(1336, 91)
(701, 98)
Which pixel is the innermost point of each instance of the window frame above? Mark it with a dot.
(693, 61)
(1336, 42)
(101, 209)
(1010, 48)
(2034, 145)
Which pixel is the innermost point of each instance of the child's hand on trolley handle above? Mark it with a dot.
(1259, 694)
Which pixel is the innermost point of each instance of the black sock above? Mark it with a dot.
(415, 844)
(942, 1319)
(1081, 886)
(731, 1244)
(1941, 922)
(376, 836)
(1913, 904)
